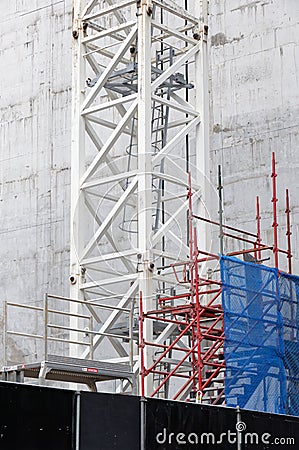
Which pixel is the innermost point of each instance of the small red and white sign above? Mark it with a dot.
(90, 370)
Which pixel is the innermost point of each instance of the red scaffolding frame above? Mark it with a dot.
(194, 356)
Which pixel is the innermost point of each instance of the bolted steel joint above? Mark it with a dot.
(73, 279)
(149, 8)
(151, 266)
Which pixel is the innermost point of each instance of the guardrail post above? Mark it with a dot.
(4, 333)
(46, 327)
(91, 338)
(131, 343)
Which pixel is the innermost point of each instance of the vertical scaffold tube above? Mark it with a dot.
(288, 232)
(258, 228)
(141, 347)
(274, 201)
(198, 324)
(220, 187)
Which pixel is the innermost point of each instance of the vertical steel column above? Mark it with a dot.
(142, 373)
(198, 321)
(274, 201)
(77, 170)
(288, 232)
(143, 423)
(192, 279)
(46, 327)
(220, 187)
(258, 227)
(144, 113)
(91, 338)
(239, 433)
(131, 336)
(4, 333)
(77, 420)
(203, 130)
(190, 225)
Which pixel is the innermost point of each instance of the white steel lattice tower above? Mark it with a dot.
(140, 123)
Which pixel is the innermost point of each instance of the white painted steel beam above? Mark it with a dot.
(114, 316)
(174, 8)
(145, 177)
(110, 142)
(114, 211)
(77, 168)
(111, 104)
(127, 263)
(172, 32)
(109, 31)
(188, 54)
(110, 281)
(176, 106)
(175, 140)
(111, 9)
(111, 179)
(113, 64)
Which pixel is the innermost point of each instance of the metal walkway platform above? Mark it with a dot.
(70, 370)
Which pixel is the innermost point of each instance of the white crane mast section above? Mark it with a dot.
(140, 123)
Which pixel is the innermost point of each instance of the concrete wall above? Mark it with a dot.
(255, 106)
(254, 111)
(35, 98)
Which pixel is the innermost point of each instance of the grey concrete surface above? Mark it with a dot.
(35, 111)
(254, 58)
(254, 108)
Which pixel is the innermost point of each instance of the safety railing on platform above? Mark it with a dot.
(51, 311)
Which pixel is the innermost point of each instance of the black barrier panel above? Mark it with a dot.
(40, 418)
(176, 425)
(109, 422)
(269, 431)
(35, 418)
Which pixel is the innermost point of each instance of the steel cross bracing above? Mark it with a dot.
(140, 122)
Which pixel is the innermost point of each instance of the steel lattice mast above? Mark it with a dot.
(140, 123)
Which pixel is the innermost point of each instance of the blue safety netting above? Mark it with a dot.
(289, 300)
(254, 345)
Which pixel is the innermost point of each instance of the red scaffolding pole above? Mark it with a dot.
(194, 356)
(288, 232)
(258, 228)
(274, 201)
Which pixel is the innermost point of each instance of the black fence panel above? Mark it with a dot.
(41, 418)
(175, 425)
(109, 422)
(35, 418)
(267, 431)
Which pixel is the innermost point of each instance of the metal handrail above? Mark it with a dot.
(48, 326)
